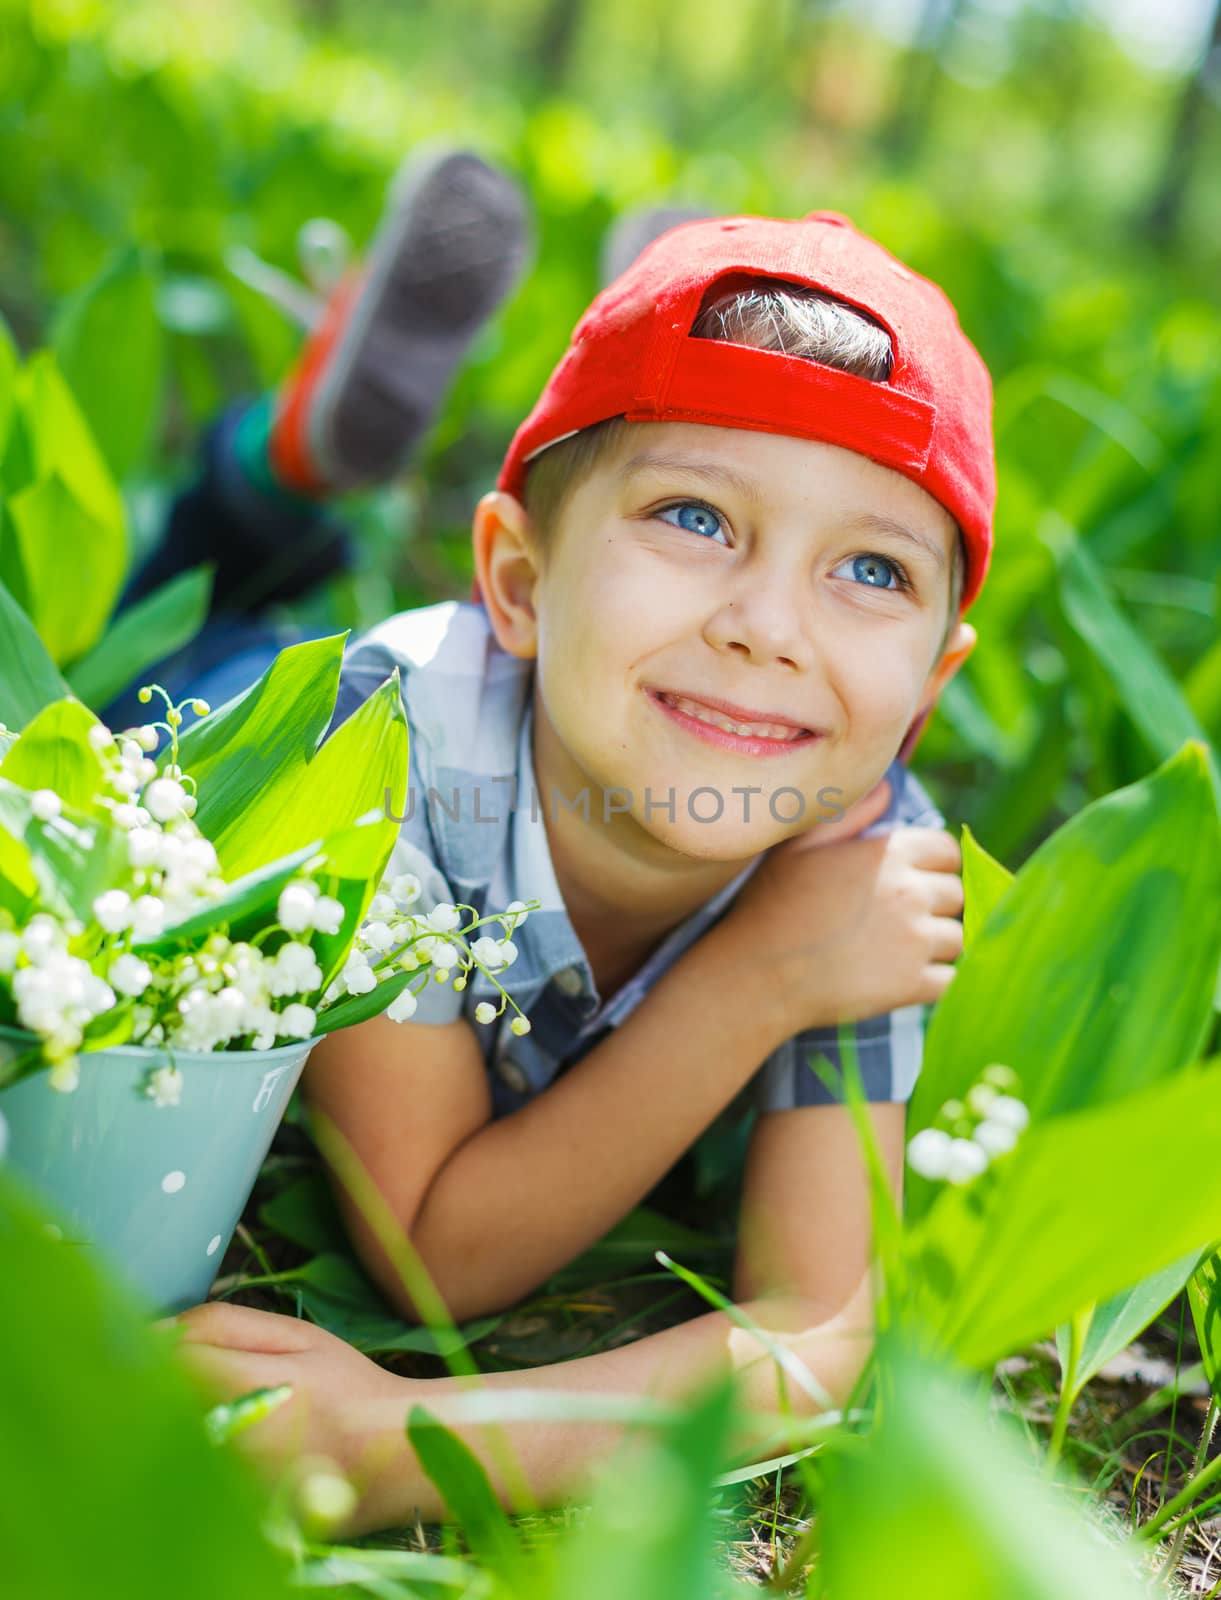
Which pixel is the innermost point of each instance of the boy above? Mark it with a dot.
(719, 588)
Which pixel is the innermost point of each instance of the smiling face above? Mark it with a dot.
(701, 575)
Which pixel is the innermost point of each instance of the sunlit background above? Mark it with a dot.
(1053, 165)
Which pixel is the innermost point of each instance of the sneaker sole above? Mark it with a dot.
(447, 253)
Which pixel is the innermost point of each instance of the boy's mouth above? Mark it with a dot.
(754, 735)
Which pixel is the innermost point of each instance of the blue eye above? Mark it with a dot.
(694, 517)
(874, 570)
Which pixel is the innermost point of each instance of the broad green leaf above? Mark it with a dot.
(53, 752)
(944, 1493)
(142, 634)
(109, 343)
(73, 566)
(8, 378)
(1204, 1297)
(356, 860)
(1094, 974)
(354, 1008)
(100, 1419)
(631, 1244)
(350, 863)
(1203, 689)
(1064, 1220)
(29, 679)
(262, 738)
(72, 858)
(1123, 1317)
(340, 1298)
(984, 881)
(363, 760)
(652, 1529)
(1146, 689)
(58, 444)
(464, 1485)
(247, 905)
(305, 1213)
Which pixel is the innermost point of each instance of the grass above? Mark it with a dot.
(1132, 1438)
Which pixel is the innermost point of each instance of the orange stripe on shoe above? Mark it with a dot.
(287, 444)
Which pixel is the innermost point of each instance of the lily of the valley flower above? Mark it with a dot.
(961, 1152)
(64, 973)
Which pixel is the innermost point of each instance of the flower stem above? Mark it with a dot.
(1078, 1324)
(1190, 1491)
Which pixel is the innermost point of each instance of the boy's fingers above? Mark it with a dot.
(243, 1328)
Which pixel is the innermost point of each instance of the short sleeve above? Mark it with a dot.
(889, 1052)
(365, 667)
(890, 1046)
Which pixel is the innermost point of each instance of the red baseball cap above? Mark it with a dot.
(632, 355)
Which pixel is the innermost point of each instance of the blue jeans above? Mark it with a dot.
(267, 548)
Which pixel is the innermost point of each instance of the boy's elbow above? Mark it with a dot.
(824, 1358)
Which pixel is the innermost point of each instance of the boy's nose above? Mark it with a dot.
(762, 622)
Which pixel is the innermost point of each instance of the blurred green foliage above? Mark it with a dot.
(1018, 156)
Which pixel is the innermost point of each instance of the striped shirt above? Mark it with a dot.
(474, 833)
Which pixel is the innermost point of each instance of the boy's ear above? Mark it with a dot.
(506, 566)
(959, 645)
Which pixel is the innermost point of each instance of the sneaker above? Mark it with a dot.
(450, 247)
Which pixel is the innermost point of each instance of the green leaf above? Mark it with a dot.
(1124, 1317)
(356, 860)
(73, 566)
(340, 1298)
(1203, 689)
(1094, 974)
(142, 634)
(29, 678)
(260, 741)
(102, 1379)
(8, 378)
(57, 443)
(632, 1243)
(1004, 1260)
(245, 905)
(467, 1490)
(53, 752)
(110, 346)
(362, 762)
(72, 858)
(984, 881)
(305, 1213)
(1204, 1297)
(653, 1528)
(354, 1008)
(1146, 689)
(944, 1493)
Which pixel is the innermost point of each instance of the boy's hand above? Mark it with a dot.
(834, 927)
(338, 1392)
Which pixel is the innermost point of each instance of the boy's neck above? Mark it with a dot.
(622, 889)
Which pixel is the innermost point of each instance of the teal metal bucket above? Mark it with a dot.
(156, 1191)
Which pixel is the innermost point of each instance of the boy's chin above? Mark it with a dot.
(726, 839)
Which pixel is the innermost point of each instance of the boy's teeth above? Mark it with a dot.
(744, 730)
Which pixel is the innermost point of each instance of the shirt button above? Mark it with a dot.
(513, 1074)
(568, 980)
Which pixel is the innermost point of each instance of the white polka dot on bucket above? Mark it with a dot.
(214, 1244)
(173, 1181)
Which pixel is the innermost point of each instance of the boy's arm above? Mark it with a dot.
(495, 1207)
(805, 1230)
